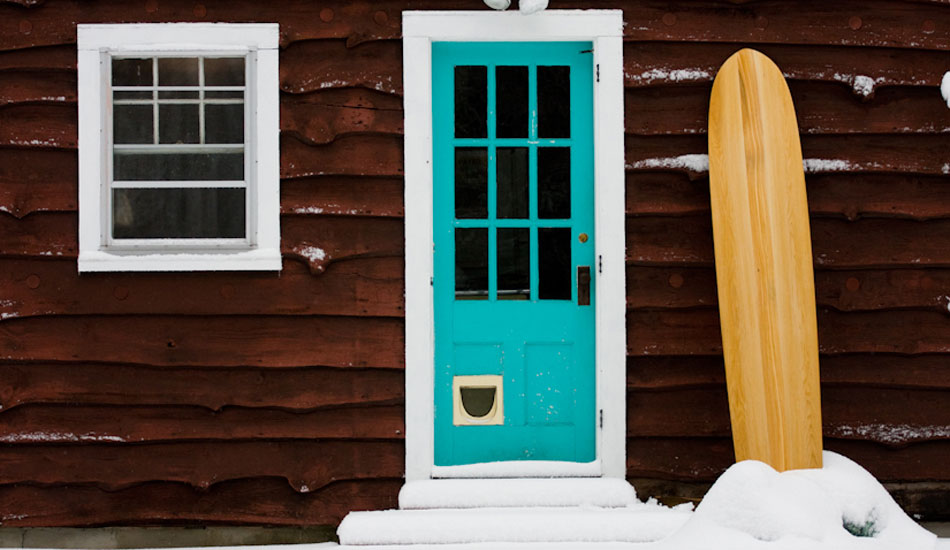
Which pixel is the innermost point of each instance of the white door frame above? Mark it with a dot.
(605, 29)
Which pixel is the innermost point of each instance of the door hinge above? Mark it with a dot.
(600, 263)
(431, 281)
(601, 418)
(598, 72)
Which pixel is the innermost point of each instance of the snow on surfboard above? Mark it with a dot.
(764, 265)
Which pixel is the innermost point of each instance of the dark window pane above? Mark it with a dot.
(178, 166)
(512, 180)
(224, 123)
(178, 95)
(177, 213)
(471, 264)
(514, 263)
(511, 102)
(554, 263)
(471, 102)
(120, 96)
(224, 95)
(471, 182)
(554, 182)
(178, 71)
(178, 123)
(132, 72)
(132, 124)
(554, 102)
(224, 71)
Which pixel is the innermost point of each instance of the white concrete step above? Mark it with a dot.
(516, 493)
(636, 523)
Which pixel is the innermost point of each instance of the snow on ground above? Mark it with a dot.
(750, 507)
(840, 506)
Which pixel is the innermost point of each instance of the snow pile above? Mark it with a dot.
(840, 506)
(945, 87)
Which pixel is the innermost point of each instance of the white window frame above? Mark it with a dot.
(605, 29)
(260, 250)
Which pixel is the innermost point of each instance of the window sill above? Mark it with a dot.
(267, 259)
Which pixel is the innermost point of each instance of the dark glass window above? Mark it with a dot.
(471, 182)
(554, 102)
(554, 263)
(471, 101)
(554, 182)
(471, 263)
(511, 102)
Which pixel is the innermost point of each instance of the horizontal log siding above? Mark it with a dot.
(261, 399)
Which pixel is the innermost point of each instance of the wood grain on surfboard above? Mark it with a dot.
(764, 265)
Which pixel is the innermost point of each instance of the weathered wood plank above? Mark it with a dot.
(53, 58)
(46, 86)
(842, 194)
(351, 156)
(251, 501)
(862, 69)
(844, 290)
(297, 389)
(910, 154)
(361, 287)
(28, 125)
(836, 244)
(318, 64)
(322, 240)
(696, 332)
(927, 372)
(260, 341)
(321, 117)
(346, 196)
(69, 424)
(704, 459)
(821, 107)
(308, 466)
(887, 416)
(34, 179)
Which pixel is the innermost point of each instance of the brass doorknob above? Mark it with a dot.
(582, 237)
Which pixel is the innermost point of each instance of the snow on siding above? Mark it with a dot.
(893, 434)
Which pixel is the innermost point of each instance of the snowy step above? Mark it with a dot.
(637, 523)
(517, 493)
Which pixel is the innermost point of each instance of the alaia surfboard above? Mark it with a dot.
(764, 265)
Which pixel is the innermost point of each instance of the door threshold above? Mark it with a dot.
(520, 469)
(517, 493)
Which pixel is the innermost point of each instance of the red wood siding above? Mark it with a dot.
(262, 399)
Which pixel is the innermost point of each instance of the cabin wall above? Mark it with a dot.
(253, 398)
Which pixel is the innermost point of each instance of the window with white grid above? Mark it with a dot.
(179, 170)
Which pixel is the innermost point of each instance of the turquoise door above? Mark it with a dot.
(514, 252)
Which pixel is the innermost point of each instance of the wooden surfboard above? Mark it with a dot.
(764, 265)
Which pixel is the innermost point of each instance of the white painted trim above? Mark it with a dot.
(258, 42)
(604, 28)
(485, 26)
(177, 36)
(420, 341)
(267, 259)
